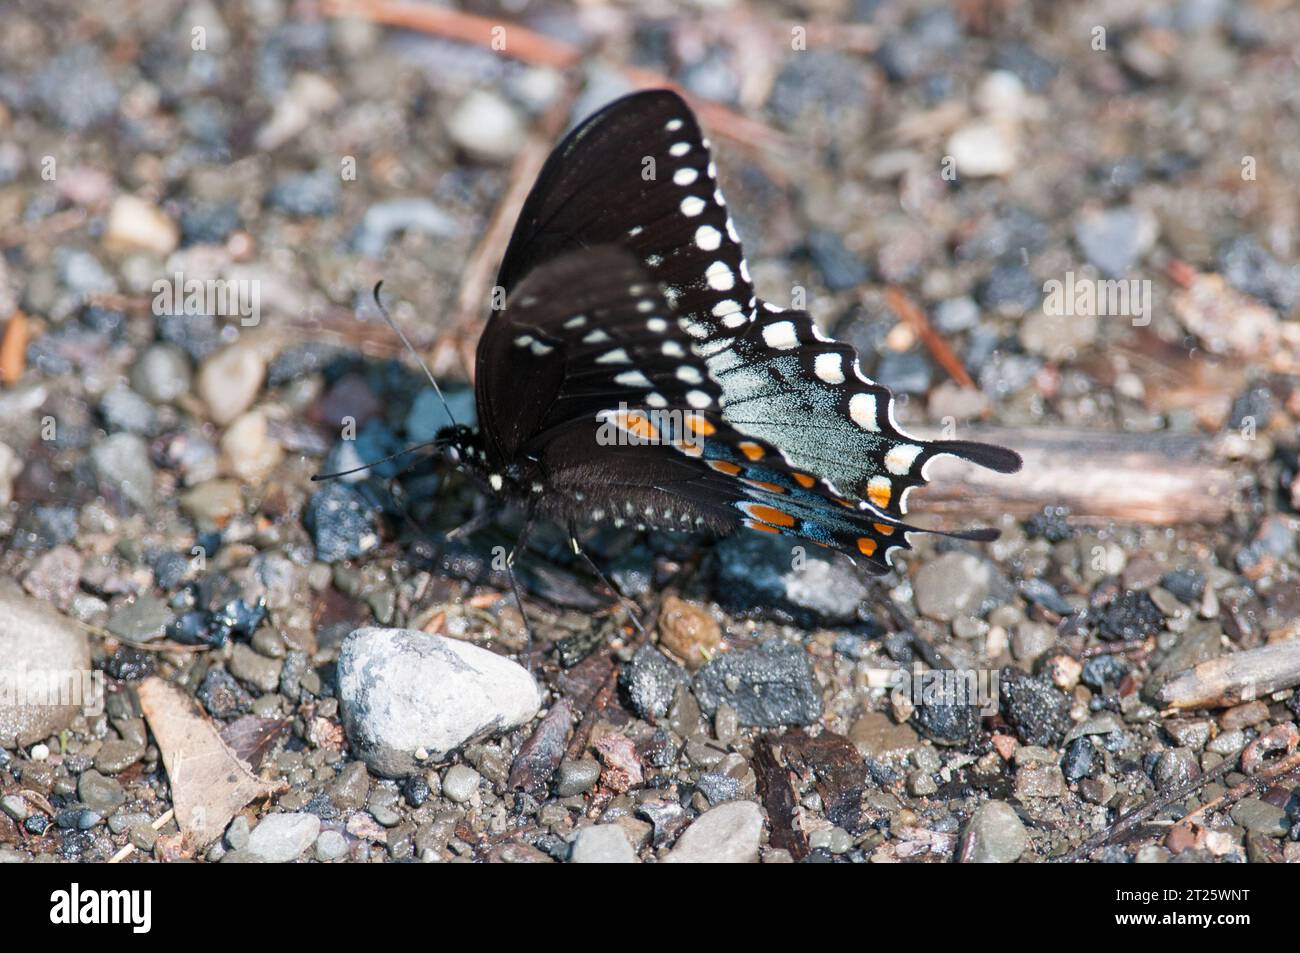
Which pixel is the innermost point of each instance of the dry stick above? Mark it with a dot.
(522, 44)
(1136, 817)
(1157, 479)
(13, 348)
(129, 849)
(492, 248)
(901, 305)
(1237, 792)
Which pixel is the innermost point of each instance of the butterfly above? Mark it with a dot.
(634, 378)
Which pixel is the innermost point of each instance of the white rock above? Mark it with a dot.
(982, 149)
(602, 844)
(247, 449)
(485, 126)
(401, 690)
(726, 834)
(37, 642)
(10, 467)
(229, 381)
(136, 225)
(280, 838)
(308, 97)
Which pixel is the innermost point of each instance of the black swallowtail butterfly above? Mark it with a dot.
(634, 378)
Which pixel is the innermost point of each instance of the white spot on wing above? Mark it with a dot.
(899, 459)
(685, 176)
(829, 368)
(708, 238)
(862, 408)
(781, 336)
(692, 205)
(719, 276)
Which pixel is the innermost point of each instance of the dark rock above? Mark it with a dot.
(306, 194)
(223, 696)
(1034, 708)
(767, 686)
(754, 573)
(1185, 585)
(1251, 269)
(1131, 615)
(208, 223)
(1043, 594)
(1010, 289)
(129, 664)
(718, 787)
(1103, 673)
(341, 523)
(650, 680)
(1080, 759)
(840, 268)
(76, 89)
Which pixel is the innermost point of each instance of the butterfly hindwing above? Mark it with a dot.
(786, 383)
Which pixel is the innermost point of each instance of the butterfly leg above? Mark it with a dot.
(628, 604)
(514, 588)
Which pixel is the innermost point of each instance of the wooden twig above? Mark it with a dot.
(492, 248)
(129, 849)
(1237, 792)
(903, 306)
(1150, 809)
(1160, 479)
(13, 348)
(527, 46)
(1232, 679)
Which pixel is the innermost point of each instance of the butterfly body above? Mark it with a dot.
(634, 378)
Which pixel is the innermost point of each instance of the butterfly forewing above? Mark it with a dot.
(639, 175)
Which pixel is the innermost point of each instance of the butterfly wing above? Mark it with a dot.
(638, 175)
(625, 424)
(789, 385)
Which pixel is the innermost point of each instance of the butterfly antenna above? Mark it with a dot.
(374, 463)
(414, 353)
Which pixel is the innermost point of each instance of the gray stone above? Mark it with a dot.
(280, 838)
(100, 793)
(486, 126)
(35, 640)
(383, 220)
(601, 844)
(1260, 817)
(1116, 239)
(161, 374)
(254, 670)
(331, 845)
(1176, 767)
(758, 572)
(650, 681)
(767, 686)
(460, 783)
(402, 691)
(952, 585)
(577, 777)
(994, 835)
(122, 463)
(143, 620)
(726, 834)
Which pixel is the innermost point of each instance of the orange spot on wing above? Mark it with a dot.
(879, 493)
(761, 527)
(770, 514)
(804, 480)
(884, 529)
(770, 487)
(699, 426)
(866, 546)
(725, 466)
(639, 426)
(750, 449)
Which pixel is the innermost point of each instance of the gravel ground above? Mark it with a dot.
(158, 523)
